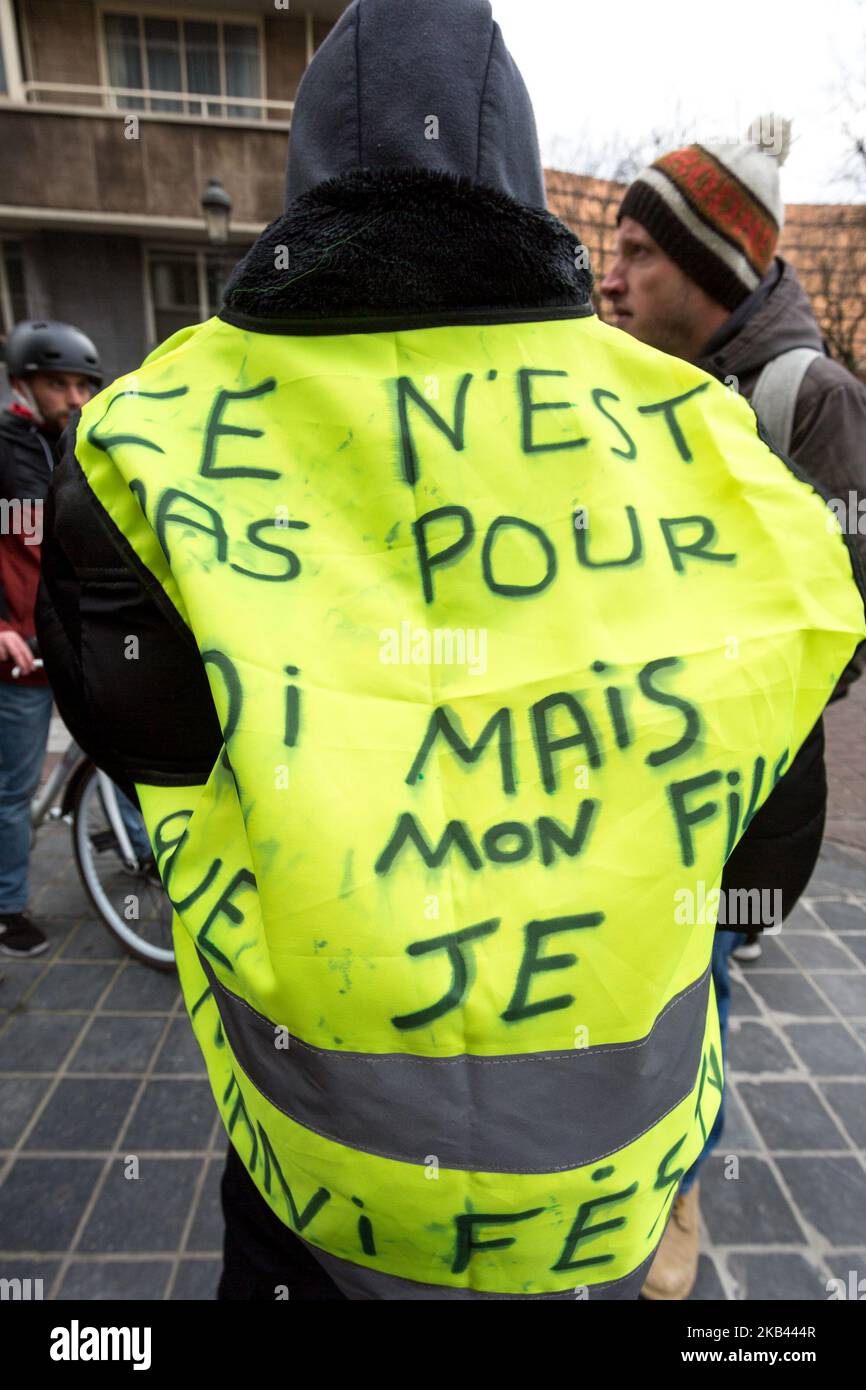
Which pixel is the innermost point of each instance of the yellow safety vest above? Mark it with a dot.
(511, 629)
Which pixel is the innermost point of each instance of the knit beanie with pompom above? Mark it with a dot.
(716, 209)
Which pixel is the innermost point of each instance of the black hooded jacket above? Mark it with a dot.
(829, 427)
(454, 228)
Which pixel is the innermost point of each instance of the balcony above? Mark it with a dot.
(117, 114)
(140, 101)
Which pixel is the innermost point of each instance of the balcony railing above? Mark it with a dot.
(135, 101)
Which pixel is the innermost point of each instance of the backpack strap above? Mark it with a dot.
(774, 398)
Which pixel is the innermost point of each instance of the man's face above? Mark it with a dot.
(57, 394)
(653, 299)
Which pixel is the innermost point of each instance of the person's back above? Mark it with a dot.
(505, 623)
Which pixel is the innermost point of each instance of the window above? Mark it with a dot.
(183, 57)
(13, 287)
(185, 287)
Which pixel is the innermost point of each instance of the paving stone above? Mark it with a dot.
(738, 1132)
(788, 994)
(19, 1098)
(749, 1210)
(197, 1280)
(91, 940)
(799, 920)
(42, 1199)
(848, 1099)
(110, 1279)
(180, 1052)
(856, 942)
(208, 1226)
(756, 1047)
(776, 1277)
(62, 896)
(827, 1049)
(17, 977)
(708, 1286)
(847, 992)
(843, 868)
(790, 1116)
(84, 1114)
(742, 1004)
(818, 951)
(39, 1042)
(172, 1115)
(71, 986)
(142, 1214)
(829, 1192)
(34, 1270)
(138, 989)
(119, 1043)
(842, 916)
(772, 957)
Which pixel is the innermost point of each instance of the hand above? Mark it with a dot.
(13, 648)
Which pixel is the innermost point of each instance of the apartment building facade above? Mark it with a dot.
(115, 116)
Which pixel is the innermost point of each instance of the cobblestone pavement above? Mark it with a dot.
(98, 1062)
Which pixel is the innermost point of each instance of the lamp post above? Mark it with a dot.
(217, 207)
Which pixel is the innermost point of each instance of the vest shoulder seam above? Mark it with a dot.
(306, 326)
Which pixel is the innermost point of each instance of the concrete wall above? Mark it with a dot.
(96, 282)
(87, 163)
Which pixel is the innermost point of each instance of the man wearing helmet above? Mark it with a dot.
(53, 369)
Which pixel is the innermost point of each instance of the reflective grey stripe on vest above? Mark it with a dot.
(774, 399)
(357, 1282)
(521, 1113)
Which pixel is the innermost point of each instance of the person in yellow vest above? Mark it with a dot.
(472, 639)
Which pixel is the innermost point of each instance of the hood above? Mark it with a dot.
(418, 84)
(783, 319)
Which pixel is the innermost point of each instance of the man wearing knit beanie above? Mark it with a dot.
(696, 275)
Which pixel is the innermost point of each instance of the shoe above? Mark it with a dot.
(149, 870)
(675, 1268)
(19, 936)
(749, 950)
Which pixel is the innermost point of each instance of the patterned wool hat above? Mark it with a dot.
(716, 209)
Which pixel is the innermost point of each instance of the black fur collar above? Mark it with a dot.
(374, 242)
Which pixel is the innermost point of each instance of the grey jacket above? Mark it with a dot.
(829, 436)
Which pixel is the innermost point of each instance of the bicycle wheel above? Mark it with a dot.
(131, 903)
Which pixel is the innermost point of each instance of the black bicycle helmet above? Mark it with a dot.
(41, 345)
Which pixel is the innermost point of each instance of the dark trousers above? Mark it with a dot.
(261, 1256)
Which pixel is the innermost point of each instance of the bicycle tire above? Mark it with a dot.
(154, 957)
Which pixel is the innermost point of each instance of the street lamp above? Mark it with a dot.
(217, 207)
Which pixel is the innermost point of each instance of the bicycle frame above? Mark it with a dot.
(43, 802)
(112, 810)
